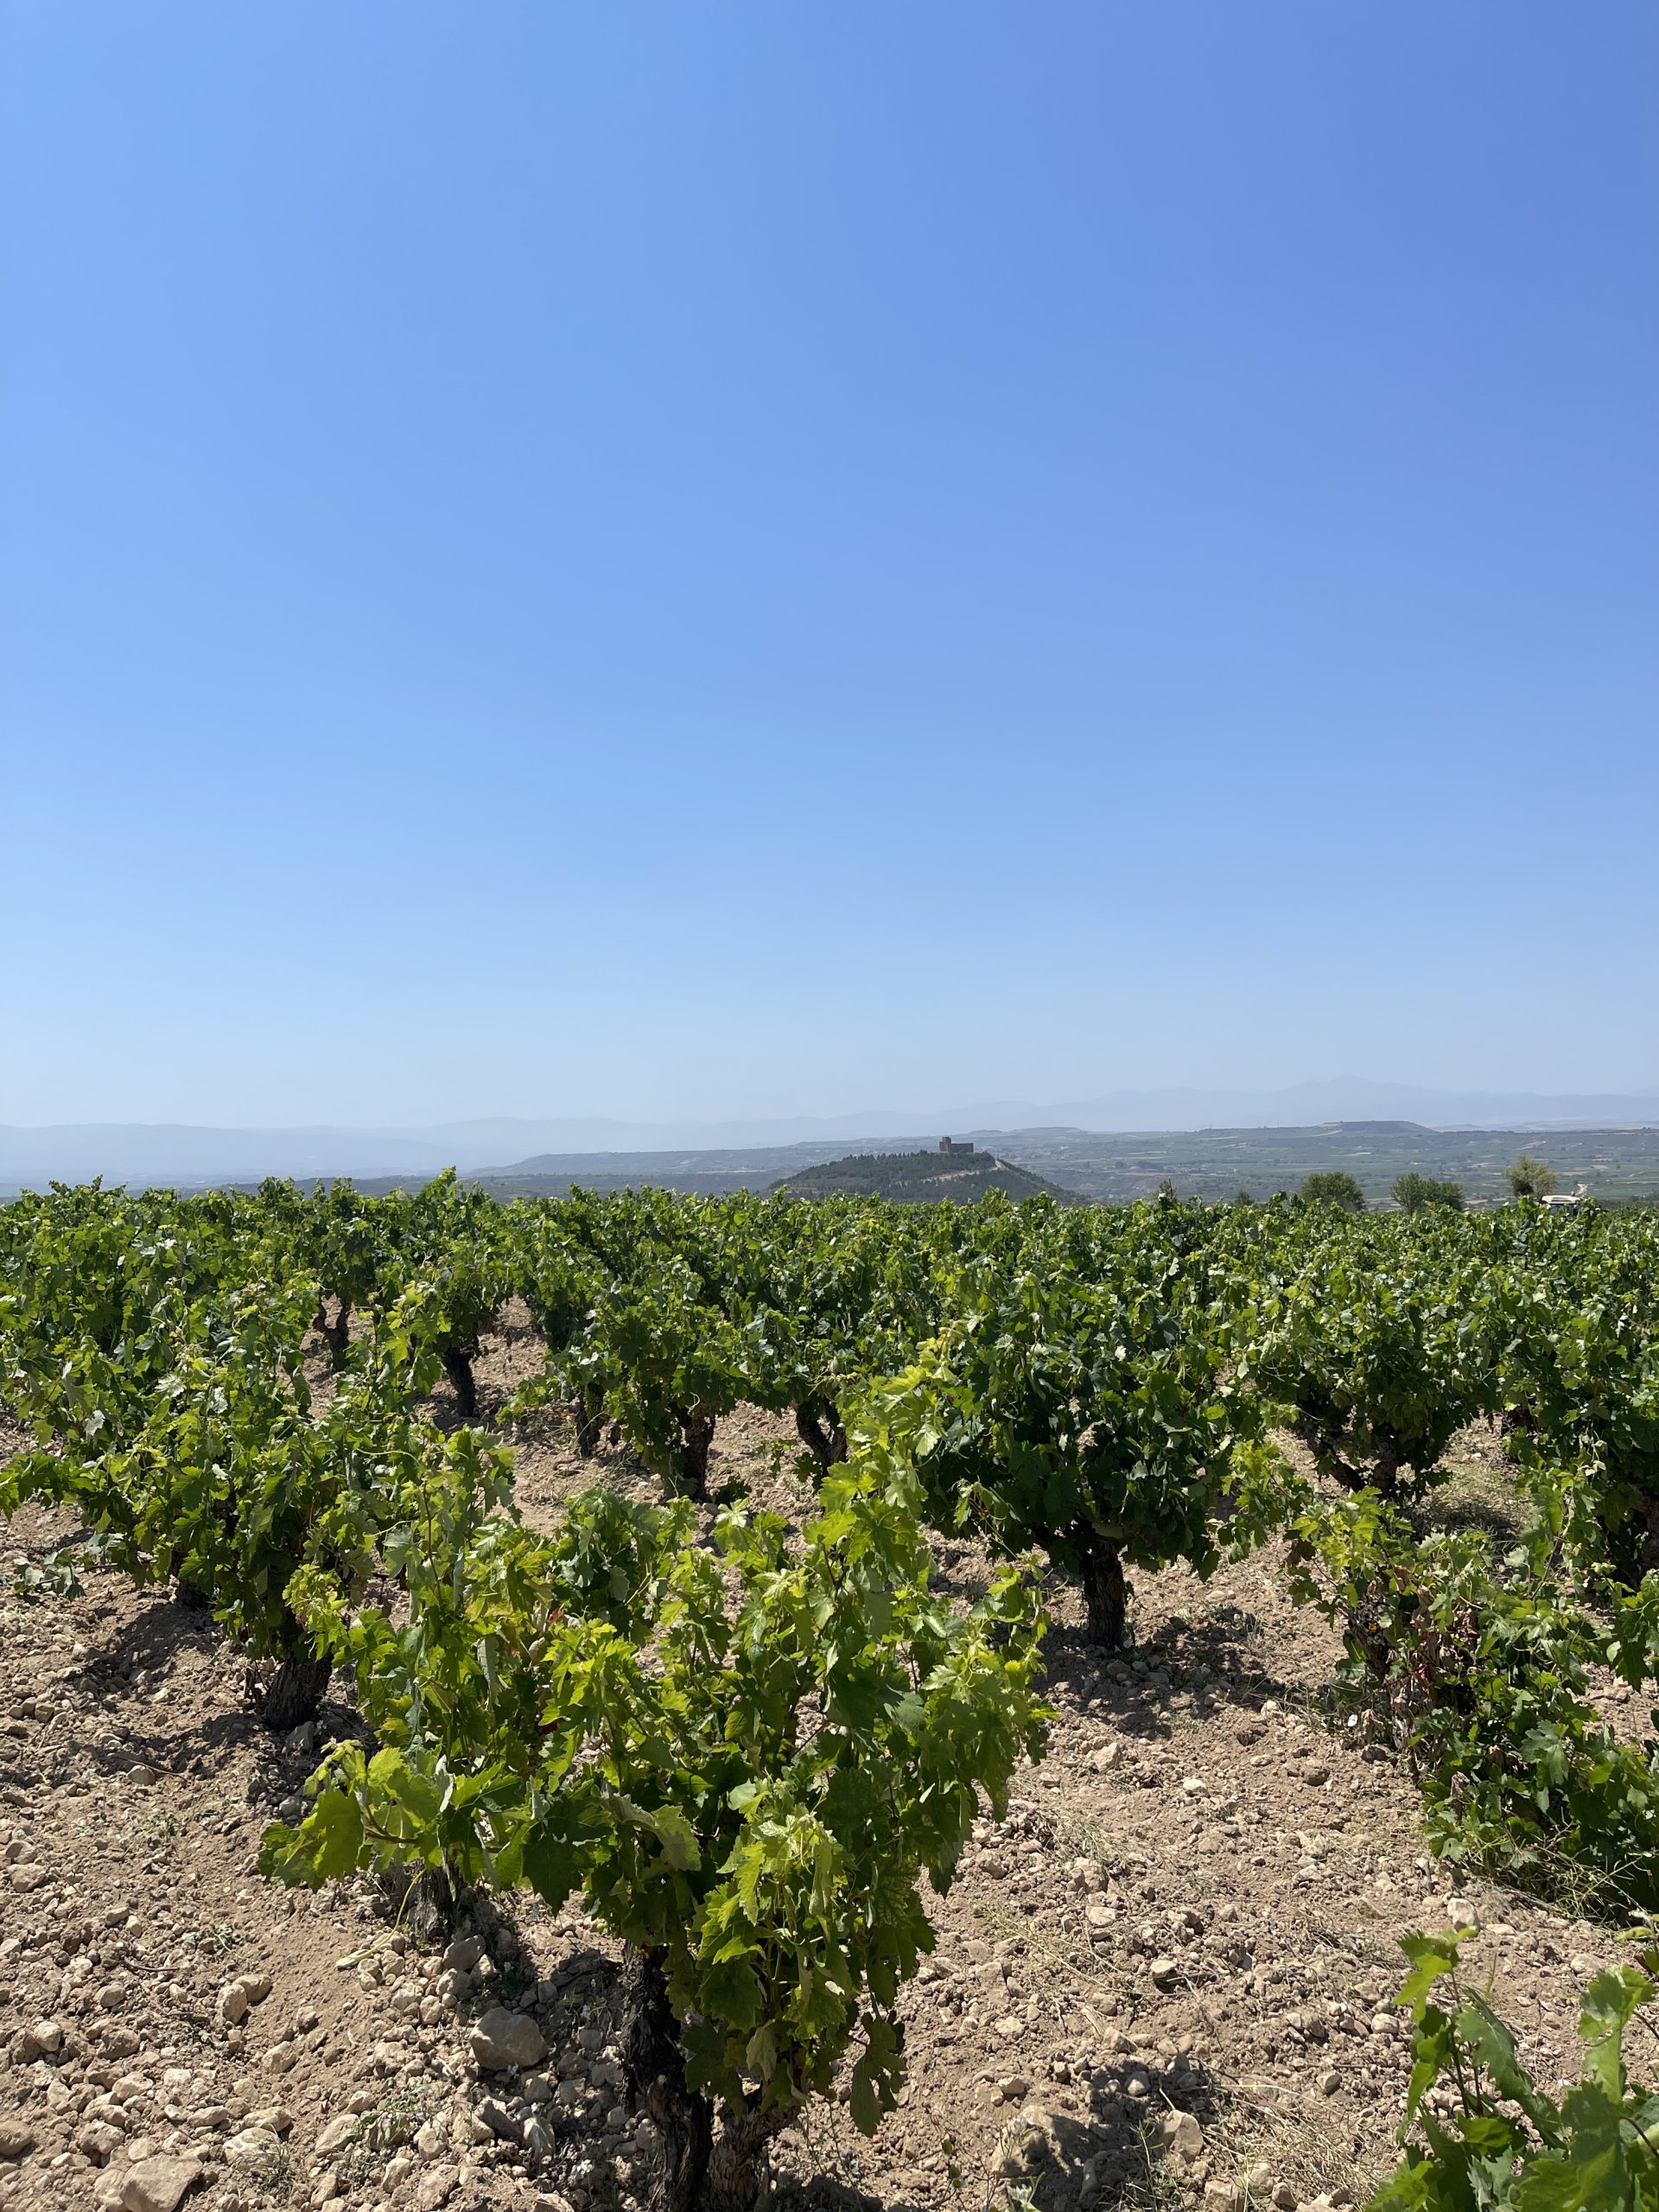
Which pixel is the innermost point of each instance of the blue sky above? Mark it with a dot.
(713, 559)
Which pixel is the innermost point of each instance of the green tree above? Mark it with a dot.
(1530, 1178)
(1415, 1193)
(1334, 1186)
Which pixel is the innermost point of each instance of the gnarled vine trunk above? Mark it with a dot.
(1105, 1593)
(819, 1429)
(656, 2075)
(697, 2170)
(590, 1423)
(458, 1366)
(339, 1331)
(696, 1434)
(1327, 1449)
(738, 2163)
(295, 1692)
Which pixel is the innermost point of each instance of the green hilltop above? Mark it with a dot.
(920, 1178)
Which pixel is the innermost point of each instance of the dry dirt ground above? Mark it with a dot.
(1167, 1976)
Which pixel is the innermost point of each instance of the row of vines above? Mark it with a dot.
(743, 1743)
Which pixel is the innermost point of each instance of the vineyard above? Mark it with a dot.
(764, 1695)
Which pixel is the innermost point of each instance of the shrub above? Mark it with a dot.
(1504, 2143)
(1099, 1424)
(742, 1754)
(1480, 1673)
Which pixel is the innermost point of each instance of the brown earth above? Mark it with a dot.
(1166, 1976)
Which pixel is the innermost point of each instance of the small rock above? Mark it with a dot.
(1183, 2136)
(462, 1955)
(110, 1996)
(1010, 2028)
(46, 2038)
(277, 2117)
(1285, 2198)
(255, 2150)
(98, 2141)
(1099, 1917)
(429, 2139)
(501, 2038)
(1250, 1732)
(238, 1997)
(1315, 1772)
(535, 2090)
(1012, 2087)
(501, 2122)
(1165, 1973)
(158, 2184)
(1107, 1758)
(336, 2135)
(1330, 2083)
(437, 2188)
(17, 2139)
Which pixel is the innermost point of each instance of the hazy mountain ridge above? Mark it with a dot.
(181, 1153)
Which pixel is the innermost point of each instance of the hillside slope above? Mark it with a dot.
(918, 1178)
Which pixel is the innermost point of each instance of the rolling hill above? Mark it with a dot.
(918, 1178)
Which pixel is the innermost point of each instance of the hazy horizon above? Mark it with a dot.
(188, 1153)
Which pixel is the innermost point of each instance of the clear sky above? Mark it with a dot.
(732, 558)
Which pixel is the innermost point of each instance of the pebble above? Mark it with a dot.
(158, 2184)
(501, 2039)
(98, 2141)
(1183, 2135)
(337, 2135)
(255, 2150)
(16, 2139)
(238, 1997)
(498, 2121)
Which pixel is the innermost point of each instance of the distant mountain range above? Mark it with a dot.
(179, 1152)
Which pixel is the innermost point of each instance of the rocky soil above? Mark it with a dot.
(1166, 1976)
